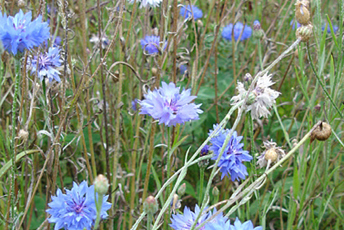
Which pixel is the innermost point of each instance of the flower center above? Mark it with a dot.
(44, 60)
(172, 105)
(78, 207)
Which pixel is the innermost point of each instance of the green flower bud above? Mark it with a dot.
(181, 189)
(101, 184)
(150, 206)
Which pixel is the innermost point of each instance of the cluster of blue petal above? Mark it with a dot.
(238, 29)
(185, 11)
(231, 161)
(187, 219)
(76, 209)
(19, 32)
(335, 28)
(151, 44)
(295, 23)
(169, 106)
(47, 64)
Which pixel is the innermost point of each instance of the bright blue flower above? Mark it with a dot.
(187, 219)
(151, 44)
(169, 106)
(233, 156)
(293, 24)
(205, 150)
(183, 69)
(245, 226)
(134, 104)
(335, 28)
(221, 223)
(47, 64)
(238, 28)
(19, 32)
(186, 12)
(76, 209)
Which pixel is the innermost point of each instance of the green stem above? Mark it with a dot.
(260, 54)
(201, 180)
(14, 125)
(99, 203)
(149, 221)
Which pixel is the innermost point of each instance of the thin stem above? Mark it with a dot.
(201, 180)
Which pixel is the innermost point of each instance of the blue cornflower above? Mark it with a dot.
(245, 226)
(335, 28)
(205, 150)
(183, 69)
(19, 32)
(186, 220)
(185, 11)
(238, 28)
(134, 104)
(47, 64)
(151, 44)
(233, 156)
(169, 106)
(292, 23)
(222, 223)
(76, 209)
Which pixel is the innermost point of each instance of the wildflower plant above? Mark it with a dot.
(77, 208)
(21, 32)
(170, 106)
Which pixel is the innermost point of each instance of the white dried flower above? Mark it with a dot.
(95, 39)
(263, 97)
(271, 155)
(149, 3)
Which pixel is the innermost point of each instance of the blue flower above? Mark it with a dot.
(134, 103)
(233, 156)
(76, 209)
(186, 220)
(238, 28)
(245, 226)
(335, 28)
(151, 44)
(293, 24)
(19, 32)
(47, 64)
(205, 150)
(221, 223)
(185, 11)
(183, 69)
(169, 106)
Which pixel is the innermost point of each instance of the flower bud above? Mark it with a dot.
(257, 30)
(302, 14)
(181, 189)
(101, 184)
(215, 191)
(304, 32)
(271, 155)
(322, 132)
(154, 71)
(21, 3)
(204, 152)
(199, 23)
(150, 206)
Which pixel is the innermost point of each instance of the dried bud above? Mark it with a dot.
(199, 23)
(302, 14)
(175, 203)
(216, 191)
(181, 189)
(154, 71)
(322, 132)
(101, 184)
(271, 155)
(304, 32)
(317, 107)
(150, 205)
(23, 134)
(21, 4)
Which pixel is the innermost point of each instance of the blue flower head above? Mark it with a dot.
(183, 69)
(169, 106)
(232, 159)
(244, 226)
(185, 11)
(76, 209)
(293, 23)
(19, 32)
(151, 44)
(335, 28)
(187, 219)
(238, 28)
(47, 64)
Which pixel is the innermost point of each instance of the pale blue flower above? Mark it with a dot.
(185, 11)
(19, 32)
(47, 64)
(238, 29)
(169, 106)
(231, 162)
(151, 44)
(76, 210)
(244, 226)
(335, 28)
(292, 23)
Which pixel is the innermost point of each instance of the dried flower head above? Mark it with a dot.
(147, 3)
(263, 97)
(272, 153)
(322, 132)
(150, 205)
(302, 13)
(304, 32)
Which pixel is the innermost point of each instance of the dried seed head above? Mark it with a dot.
(271, 155)
(199, 23)
(302, 13)
(154, 71)
(21, 3)
(23, 134)
(322, 132)
(304, 32)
